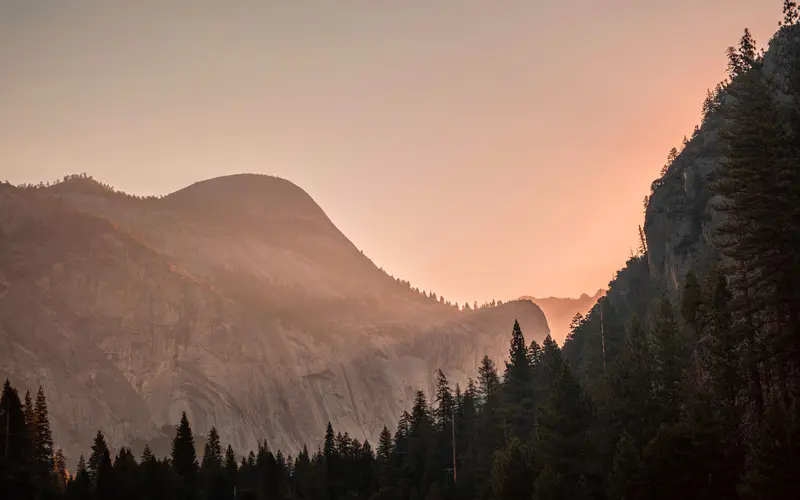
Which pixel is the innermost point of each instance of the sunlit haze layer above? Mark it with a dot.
(478, 149)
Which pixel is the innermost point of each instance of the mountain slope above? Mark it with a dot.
(235, 300)
(560, 311)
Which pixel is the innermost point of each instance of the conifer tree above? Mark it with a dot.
(562, 440)
(211, 464)
(669, 349)
(60, 465)
(212, 454)
(790, 13)
(518, 403)
(384, 458)
(44, 436)
(81, 486)
(633, 408)
(30, 418)
(100, 452)
(628, 479)
(512, 472)
(491, 435)
(126, 480)
(488, 380)
(184, 460)
(330, 444)
(444, 403)
(100, 468)
(16, 447)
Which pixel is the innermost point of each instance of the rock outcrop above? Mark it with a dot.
(236, 300)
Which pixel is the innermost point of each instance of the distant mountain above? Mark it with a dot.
(235, 299)
(560, 311)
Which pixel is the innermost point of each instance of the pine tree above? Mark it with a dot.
(669, 349)
(100, 469)
(562, 440)
(488, 380)
(100, 452)
(16, 447)
(744, 59)
(790, 13)
(60, 464)
(512, 472)
(30, 418)
(628, 479)
(211, 465)
(633, 404)
(153, 477)
(229, 463)
(518, 403)
(329, 448)
(184, 460)
(212, 454)
(489, 422)
(126, 480)
(517, 367)
(384, 458)
(691, 303)
(80, 487)
(44, 437)
(444, 403)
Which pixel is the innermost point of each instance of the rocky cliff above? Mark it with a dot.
(236, 300)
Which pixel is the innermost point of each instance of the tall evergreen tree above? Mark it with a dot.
(44, 436)
(100, 452)
(30, 418)
(80, 487)
(126, 476)
(184, 460)
(562, 440)
(633, 408)
(512, 472)
(488, 380)
(628, 479)
(100, 469)
(384, 459)
(518, 401)
(16, 464)
(212, 454)
(445, 404)
(60, 465)
(211, 465)
(669, 349)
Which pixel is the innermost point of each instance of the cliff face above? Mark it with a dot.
(235, 300)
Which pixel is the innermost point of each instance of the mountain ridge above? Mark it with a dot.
(131, 310)
(560, 311)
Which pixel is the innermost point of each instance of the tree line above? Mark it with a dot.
(491, 421)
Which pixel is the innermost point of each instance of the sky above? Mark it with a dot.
(477, 149)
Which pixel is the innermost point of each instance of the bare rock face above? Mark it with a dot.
(235, 300)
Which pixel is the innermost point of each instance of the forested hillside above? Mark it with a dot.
(682, 382)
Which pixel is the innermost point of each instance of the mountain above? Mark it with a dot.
(683, 211)
(235, 299)
(560, 311)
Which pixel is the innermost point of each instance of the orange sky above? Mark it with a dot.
(479, 149)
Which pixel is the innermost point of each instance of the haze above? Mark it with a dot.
(478, 149)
